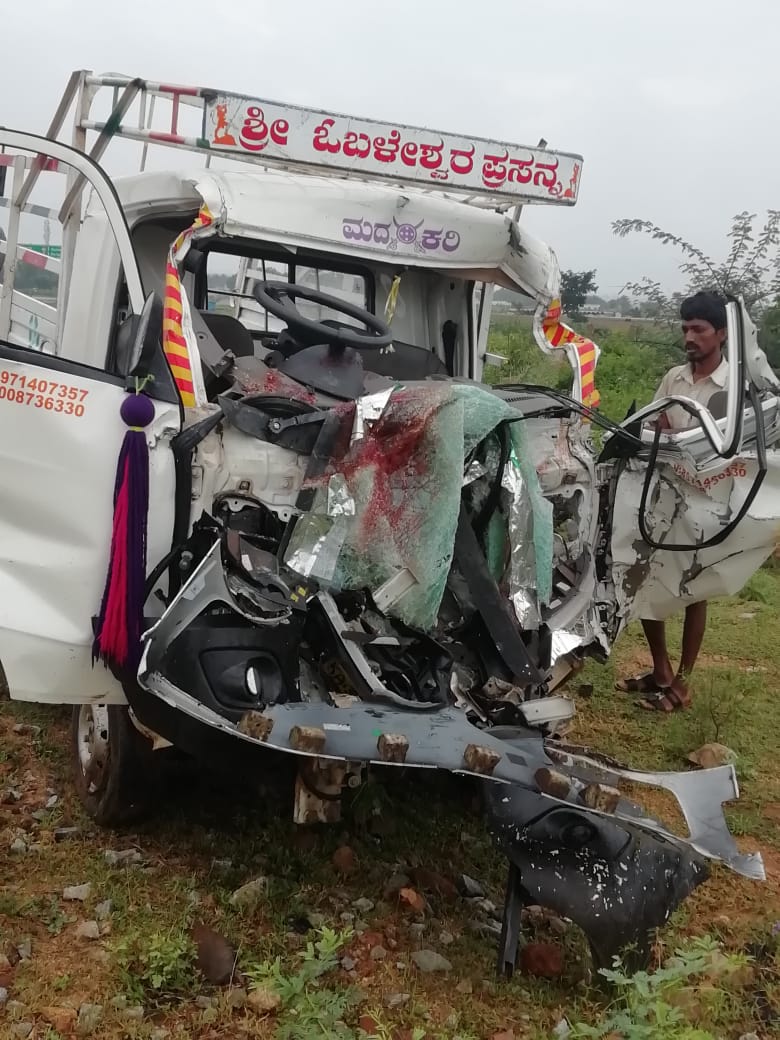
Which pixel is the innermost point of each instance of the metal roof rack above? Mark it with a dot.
(477, 171)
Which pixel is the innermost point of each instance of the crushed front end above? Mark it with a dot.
(377, 583)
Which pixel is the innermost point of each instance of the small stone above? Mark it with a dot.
(62, 1019)
(26, 729)
(135, 1013)
(248, 896)
(11, 796)
(66, 833)
(89, 1018)
(3, 996)
(363, 905)
(465, 986)
(708, 756)
(446, 938)
(119, 1002)
(24, 949)
(51, 802)
(15, 1009)
(264, 999)
(203, 1002)
(469, 888)
(18, 847)
(236, 998)
(78, 893)
(103, 910)
(484, 906)
(348, 964)
(489, 929)
(378, 953)
(562, 1030)
(417, 930)
(21, 1030)
(88, 931)
(400, 965)
(360, 927)
(345, 861)
(39, 815)
(429, 961)
(222, 864)
(412, 899)
(396, 1000)
(123, 858)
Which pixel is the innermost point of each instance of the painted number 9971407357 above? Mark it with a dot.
(48, 394)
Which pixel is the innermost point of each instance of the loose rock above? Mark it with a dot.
(396, 1000)
(89, 1018)
(24, 949)
(236, 997)
(66, 833)
(363, 905)
(51, 802)
(446, 938)
(469, 888)
(26, 729)
(378, 953)
(103, 910)
(429, 961)
(88, 930)
(708, 756)
(123, 858)
(78, 893)
(251, 894)
(263, 999)
(3, 996)
(62, 1019)
(348, 964)
(134, 1013)
(18, 846)
(465, 986)
(203, 1002)
(21, 1030)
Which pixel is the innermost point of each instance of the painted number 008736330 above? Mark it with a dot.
(48, 394)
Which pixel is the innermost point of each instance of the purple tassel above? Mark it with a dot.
(120, 624)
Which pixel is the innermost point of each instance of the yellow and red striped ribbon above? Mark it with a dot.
(560, 335)
(177, 350)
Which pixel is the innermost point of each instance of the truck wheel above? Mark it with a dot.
(112, 764)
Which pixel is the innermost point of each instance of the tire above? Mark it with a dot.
(112, 764)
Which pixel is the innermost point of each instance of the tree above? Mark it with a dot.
(751, 269)
(575, 286)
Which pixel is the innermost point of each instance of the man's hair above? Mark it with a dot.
(705, 306)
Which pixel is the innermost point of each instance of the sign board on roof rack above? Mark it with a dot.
(277, 132)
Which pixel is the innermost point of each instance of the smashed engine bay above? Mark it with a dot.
(372, 587)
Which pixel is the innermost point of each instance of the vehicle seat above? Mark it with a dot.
(229, 333)
(406, 361)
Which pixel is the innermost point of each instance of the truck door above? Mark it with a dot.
(696, 513)
(60, 435)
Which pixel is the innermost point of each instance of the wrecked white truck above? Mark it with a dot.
(248, 463)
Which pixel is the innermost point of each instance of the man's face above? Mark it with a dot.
(701, 340)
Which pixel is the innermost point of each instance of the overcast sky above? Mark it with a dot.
(672, 103)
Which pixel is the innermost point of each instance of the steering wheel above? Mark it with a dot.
(278, 298)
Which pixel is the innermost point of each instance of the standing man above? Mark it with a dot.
(702, 377)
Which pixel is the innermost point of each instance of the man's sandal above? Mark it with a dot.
(644, 684)
(666, 701)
